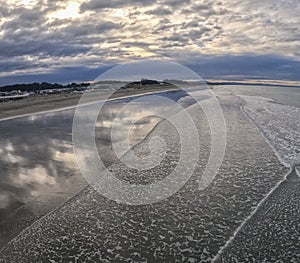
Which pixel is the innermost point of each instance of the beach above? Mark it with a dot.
(39, 170)
(43, 103)
(192, 225)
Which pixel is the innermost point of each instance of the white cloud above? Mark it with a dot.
(111, 31)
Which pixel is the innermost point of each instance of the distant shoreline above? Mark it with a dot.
(264, 83)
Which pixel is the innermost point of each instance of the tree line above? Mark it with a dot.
(35, 87)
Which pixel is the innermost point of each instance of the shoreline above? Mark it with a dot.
(53, 103)
(263, 134)
(118, 96)
(267, 199)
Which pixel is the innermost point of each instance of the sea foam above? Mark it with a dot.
(279, 123)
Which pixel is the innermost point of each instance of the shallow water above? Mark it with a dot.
(37, 164)
(280, 125)
(285, 95)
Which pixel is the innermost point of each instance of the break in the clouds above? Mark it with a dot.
(43, 37)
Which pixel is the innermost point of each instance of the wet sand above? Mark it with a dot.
(190, 226)
(41, 103)
(39, 170)
(272, 234)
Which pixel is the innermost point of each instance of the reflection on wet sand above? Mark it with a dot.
(38, 168)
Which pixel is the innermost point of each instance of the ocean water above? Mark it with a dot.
(283, 95)
(276, 111)
(280, 125)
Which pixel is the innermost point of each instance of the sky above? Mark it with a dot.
(72, 40)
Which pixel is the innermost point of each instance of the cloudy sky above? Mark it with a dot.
(75, 40)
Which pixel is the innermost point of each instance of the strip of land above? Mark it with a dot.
(41, 103)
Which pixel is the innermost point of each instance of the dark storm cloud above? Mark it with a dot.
(197, 33)
(159, 11)
(209, 9)
(4, 9)
(96, 4)
(23, 20)
(135, 44)
(247, 67)
(163, 25)
(42, 47)
(208, 67)
(175, 38)
(29, 34)
(61, 75)
(190, 24)
(87, 29)
(8, 65)
(175, 3)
